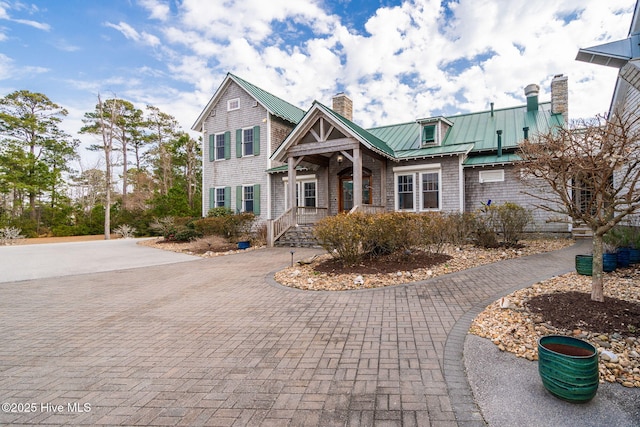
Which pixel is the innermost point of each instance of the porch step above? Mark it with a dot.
(300, 236)
(581, 232)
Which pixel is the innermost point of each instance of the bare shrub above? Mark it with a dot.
(125, 231)
(342, 236)
(9, 235)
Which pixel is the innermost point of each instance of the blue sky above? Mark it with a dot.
(398, 60)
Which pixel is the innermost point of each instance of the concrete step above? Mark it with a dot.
(300, 236)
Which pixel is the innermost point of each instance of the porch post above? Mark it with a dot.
(357, 177)
(291, 162)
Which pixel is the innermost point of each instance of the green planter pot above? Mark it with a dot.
(568, 368)
(584, 264)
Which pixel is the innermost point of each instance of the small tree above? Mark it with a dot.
(592, 170)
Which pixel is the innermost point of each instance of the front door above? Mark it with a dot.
(346, 192)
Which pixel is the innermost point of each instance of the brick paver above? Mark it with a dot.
(216, 342)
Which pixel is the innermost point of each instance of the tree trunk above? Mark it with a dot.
(107, 207)
(597, 293)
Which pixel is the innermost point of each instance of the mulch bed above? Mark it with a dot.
(384, 264)
(576, 310)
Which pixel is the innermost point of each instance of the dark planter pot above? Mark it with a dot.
(634, 256)
(623, 257)
(584, 264)
(244, 244)
(609, 262)
(568, 368)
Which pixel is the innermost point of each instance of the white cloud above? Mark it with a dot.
(130, 33)
(157, 10)
(408, 63)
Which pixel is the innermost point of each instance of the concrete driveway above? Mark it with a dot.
(25, 262)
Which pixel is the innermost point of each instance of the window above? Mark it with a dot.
(219, 147)
(430, 190)
(247, 142)
(491, 176)
(309, 194)
(405, 192)
(219, 201)
(233, 104)
(247, 198)
(429, 135)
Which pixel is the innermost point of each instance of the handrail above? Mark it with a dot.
(282, 224)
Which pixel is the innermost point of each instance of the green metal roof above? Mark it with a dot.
(480, 128)
(491, 159)
(438, 150)
(373, 141)
(277, 106)
(285, 168)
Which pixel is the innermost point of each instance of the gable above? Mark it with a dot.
(273, 104)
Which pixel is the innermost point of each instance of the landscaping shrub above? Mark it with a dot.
(9, 235)
(220, 211)
(185, 234)
(390, 232)
(232, 226)
(508, 220)
(343, 235)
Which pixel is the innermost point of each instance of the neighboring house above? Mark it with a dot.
(261, 153)
(624, 55)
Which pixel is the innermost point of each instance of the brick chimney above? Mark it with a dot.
(343, 105)
(560, 96)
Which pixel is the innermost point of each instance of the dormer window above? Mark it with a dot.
(433, 130)
(429, 135)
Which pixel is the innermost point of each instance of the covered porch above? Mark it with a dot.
(329, 170)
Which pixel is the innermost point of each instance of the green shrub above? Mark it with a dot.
(212, 226)
(219, 211)
(185, 234)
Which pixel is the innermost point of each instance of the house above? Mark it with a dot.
(265, 155)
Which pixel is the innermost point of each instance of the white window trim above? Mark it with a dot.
(230, 102)
(300, 181)
(395, 190)
(243, 198)
(421, 197)
(416, 171)
(495, 175)
(215, 196)
(243, 143)
(215, 148)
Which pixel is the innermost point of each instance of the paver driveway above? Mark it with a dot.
(215, 342)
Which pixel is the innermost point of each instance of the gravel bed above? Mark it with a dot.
(304, 276)
(510, 325)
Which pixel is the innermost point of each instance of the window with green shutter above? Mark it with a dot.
(429, 135)
(238, 143)
(256, 199)
(256, 140)
(227, 145)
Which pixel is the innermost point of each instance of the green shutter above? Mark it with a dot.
(212, 198)
(256, 199)
(239, 143)
(239, 198)
(212, 147)
(227, 145)
(256, 140)
(227, 197)
(428, 133)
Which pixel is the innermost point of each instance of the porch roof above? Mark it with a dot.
(439, 150)
(491, 159)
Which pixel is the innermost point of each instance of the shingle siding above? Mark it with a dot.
(512, 190)
(236, 171)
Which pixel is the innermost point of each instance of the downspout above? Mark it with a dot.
(269, 163)
(461, 181)
(203, 191)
